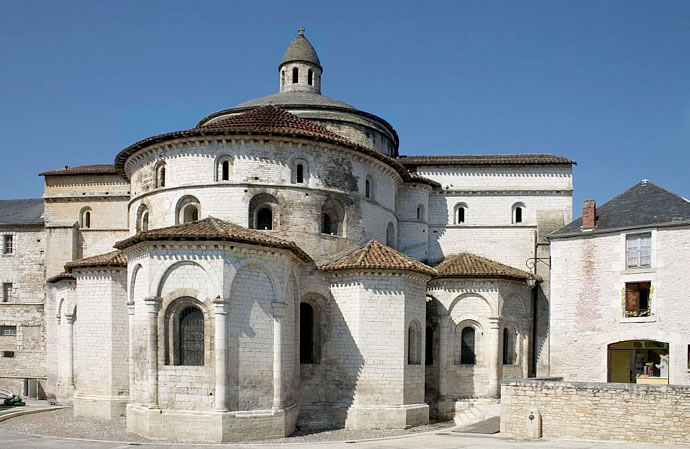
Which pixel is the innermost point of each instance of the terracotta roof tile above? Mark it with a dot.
(96, 169)
(60, 277)
(270, 121)
(375, 256)
(212, 228)
(487, 159)
(111, 259)
(468, 265)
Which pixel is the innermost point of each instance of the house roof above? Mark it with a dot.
(466, 265)
(111, 259)
(270, 121)
(295, 99)
(376, 256)
(487, 159)
(95, 169)
(21, 212)
(642, 205)
(212, 228)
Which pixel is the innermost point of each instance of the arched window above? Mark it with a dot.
(518, 213)
(159, 175)
(300, 173)
(142, 219)
(414, 344)
(509, 338)
(295, 75)
(467, 353)
(263, 212)
(223, 168)
(369, 188)
(429, 346)
(85, 218)
(332, 218)
(326, 224)
(306, 333)
(188, 210)
(460, 213)
(310, 77)
(264, 219)
(390, 235)
(191, 338)
(420, 212)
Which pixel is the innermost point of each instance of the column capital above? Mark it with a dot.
(495, 322)
(278, 308)
(130, 307)
(69, 318)
(220, 305)
(153, 303)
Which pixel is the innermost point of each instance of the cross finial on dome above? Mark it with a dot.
(300, 31)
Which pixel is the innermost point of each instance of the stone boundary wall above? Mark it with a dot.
(598, 411)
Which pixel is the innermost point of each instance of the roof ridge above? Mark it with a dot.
(366, 249)
(216, 225)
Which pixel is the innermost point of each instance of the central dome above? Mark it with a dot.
(301, 50)
(300, 94)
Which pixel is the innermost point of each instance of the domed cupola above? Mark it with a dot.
(300, 70)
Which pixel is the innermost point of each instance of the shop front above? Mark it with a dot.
(638, 361)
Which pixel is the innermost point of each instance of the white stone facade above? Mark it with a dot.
(115, 340)
(589, 276)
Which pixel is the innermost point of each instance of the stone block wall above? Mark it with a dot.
(598, 411)
(24, 268)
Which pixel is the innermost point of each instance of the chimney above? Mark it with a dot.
(589, 214)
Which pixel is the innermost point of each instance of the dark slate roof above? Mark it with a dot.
(642, 205)
(300, 49)
(486, 159)
(376, 256)
(95, 169)
(466, 265)
(296, 99)
(270, 121)
(115, 259)
(212, 228)
(21, 212)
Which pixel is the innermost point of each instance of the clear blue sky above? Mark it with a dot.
(606, 83)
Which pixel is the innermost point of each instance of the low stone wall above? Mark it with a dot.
(598, 411)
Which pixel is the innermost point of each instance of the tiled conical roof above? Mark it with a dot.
(375, 256)
(212, 228)
(273, 120)
(466, 265)
(111, 259)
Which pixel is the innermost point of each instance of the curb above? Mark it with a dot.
(13, 414)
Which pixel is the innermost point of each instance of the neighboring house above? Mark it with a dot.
(620, 290)
(273, 268)
(22, 276)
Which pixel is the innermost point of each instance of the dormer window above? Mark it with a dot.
(295, 75)
(639, 250)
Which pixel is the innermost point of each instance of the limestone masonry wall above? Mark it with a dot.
(598, 411)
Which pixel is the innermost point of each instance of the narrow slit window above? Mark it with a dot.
(518, 215)
(300, 173)
(295, 75)
(467, 354)
(306, 333)
(310, 77)
(367, 188)
(460, 215)
(225, 171)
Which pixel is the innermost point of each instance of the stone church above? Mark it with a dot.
(280, 265)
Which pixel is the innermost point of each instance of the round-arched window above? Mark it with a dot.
(191, 337)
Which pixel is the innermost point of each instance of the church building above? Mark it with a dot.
(279, 264)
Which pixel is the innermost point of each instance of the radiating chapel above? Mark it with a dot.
(279, 265)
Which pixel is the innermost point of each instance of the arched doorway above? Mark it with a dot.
(638, 361)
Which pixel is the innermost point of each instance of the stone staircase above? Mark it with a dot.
(470, 412)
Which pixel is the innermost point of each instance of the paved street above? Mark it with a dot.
(433, 440)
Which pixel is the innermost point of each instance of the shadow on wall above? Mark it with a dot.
(328, 385)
